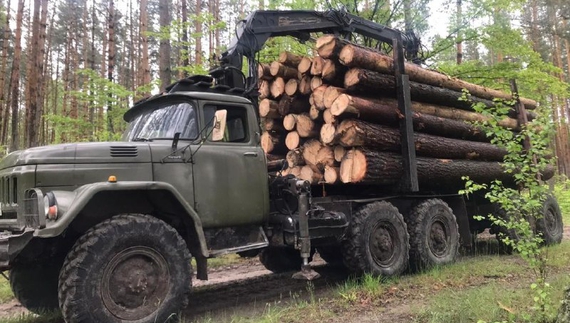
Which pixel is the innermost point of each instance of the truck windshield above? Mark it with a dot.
(163, 123)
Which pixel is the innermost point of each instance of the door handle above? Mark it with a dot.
(250, 154)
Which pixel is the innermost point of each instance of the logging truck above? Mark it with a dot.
(308, 154)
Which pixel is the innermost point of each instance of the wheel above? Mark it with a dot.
(249, 253)
(550, 225)
(281, 259)
(377, 241)
(130, 268)
(434, 234)
(331, 254)
(35, 285)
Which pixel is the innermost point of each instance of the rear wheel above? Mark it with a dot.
(331, 254)
(377, 241)
(130, 268)
(35, 285)
(281, 259)
(434, 234)
(550, 225)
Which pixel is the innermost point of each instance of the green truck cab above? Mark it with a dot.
(168, 167)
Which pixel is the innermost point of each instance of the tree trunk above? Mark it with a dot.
(317, 66)
(111, 64)
(289, 59)
(273, 143)
(293, 104)
(15, 78)
(385, 111)
(356, 133)
(144, 68)
(371, 167)
(279, 70)
(198, 33)
(354, 56)
(295, 158)
(304, 66)
(4, 94)
(164, 50)
(365, 81)
(264, 72)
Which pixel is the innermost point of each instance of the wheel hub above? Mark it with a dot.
(382, 245)
(550, 220)
(438, 238)
(135, 282)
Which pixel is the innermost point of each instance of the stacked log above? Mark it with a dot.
(335, 119)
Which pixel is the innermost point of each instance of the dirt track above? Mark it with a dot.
(245, 289)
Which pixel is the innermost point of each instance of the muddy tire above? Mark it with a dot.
(434, 235)
(550, 225)
(35, 285)
(130, 268)
(332, 255)
(377, 241)
(281, 259)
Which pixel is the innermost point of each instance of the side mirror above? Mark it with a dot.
(219, 125)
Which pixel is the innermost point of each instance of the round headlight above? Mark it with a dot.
(50, 206)
(46, 205)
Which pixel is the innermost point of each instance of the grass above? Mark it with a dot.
(5, 291)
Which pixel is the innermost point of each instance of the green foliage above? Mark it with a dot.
(521, 202)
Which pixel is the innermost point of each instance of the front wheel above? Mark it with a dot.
(377, 241)
(35, 285)
(130, 268)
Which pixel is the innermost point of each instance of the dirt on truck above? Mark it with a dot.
(351, 153)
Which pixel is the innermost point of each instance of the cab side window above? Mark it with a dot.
(236, 122)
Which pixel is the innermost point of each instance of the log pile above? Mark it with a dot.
(335, 119)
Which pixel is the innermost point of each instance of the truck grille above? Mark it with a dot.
(124, 151)
(9, 190)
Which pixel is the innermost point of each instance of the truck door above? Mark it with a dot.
(230, 176)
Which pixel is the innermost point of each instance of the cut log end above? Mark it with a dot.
(326, 45)
(292, 140)
(317, 66)
(291, 87)
(339, 153)
(331, 175)
(327, 134)
(289, 122)
(353, 167)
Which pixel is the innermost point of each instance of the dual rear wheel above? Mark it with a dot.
(381, 243)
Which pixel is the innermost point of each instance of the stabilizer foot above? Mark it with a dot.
(306, 273)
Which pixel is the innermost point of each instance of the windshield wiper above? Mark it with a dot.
(141, 139)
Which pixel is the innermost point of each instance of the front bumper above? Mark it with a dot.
(11, 245)
(16, 233)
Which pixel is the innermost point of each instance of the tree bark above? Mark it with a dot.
(293, 104)
(273, 143)
(165, 51)
(295, 158)
(317, 66)
(268, 124)
(269, 109)
(354, 56)
(111, 64)
(289, 59)
(264, 72)
(371, 167)
(366, 81)
(4, 95)
(279, 70)
(144, 68)
(15, 78)
(356, 133)
(385, 111)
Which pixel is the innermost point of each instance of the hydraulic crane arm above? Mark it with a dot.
(253, 32)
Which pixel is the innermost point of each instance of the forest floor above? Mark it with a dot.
(481, 285)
